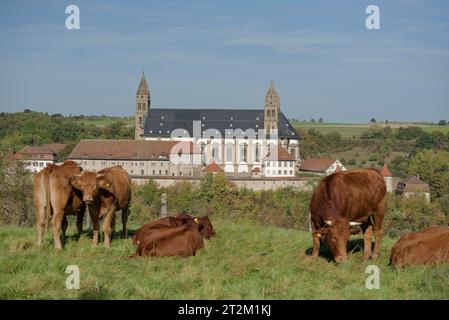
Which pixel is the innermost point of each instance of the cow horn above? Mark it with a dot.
(99, 175)
(328, 222)
(354, 223)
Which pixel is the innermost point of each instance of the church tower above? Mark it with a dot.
(143, 103)
(272, 109)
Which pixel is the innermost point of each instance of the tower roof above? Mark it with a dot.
(143, 86)
(271, 91)
(385, 171)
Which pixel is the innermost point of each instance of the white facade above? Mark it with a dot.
(35, 165)
(273, 168)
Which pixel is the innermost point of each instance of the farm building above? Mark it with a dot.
(321, 166)
(388, 177)
(412, 187)
(37, 158)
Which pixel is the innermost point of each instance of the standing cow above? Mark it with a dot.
(54, 197)
(105, 192)
(346, 199)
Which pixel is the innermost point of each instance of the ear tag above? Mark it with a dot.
(196, 220)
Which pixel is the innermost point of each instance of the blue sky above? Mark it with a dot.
(223, 54)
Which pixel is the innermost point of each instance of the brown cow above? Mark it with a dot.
(54, 197)
(105, 192)
(428, 246)
(204, 226)
(181, 241)
(346, 199)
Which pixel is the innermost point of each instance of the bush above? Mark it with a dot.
(373, 157)
(352, 162)
(16, 194)
(408, 215)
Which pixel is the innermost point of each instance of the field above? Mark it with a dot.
(349, 130)
(245, 261)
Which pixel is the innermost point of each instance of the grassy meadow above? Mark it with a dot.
(350, 130)
(246, 260)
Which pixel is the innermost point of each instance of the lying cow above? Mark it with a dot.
(105, 192)
(428, 246)
(54, 198)
(344, 200)
(204, 226)
(173, 236)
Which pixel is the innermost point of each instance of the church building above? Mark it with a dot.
(239, 141)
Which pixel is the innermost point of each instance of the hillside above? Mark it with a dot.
(245, 261)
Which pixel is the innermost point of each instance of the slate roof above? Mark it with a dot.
(161, 121)
(143, 87)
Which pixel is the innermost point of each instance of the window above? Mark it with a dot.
(160, 172)
(166, 172)
(229, 152)
(268, 163)
(291, 171)
(285, 171)
(257, 153)
(131, 172)
(291, 164)
(243, 152)
(279, 171)
(268, 172)
(142, 172)
(154, 172)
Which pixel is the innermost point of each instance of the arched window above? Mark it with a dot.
(229, 151)
(257, 153)
(243, 152)
(140, 120)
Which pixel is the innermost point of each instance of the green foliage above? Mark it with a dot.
(146, 202)
(433, 167)
(412, 214)
(16, 190)
(36, 128)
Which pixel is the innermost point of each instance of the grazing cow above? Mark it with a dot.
(428, 246)
(204, 226)
(54, 197)
(181, 241)
(343, 200)
(105, 192)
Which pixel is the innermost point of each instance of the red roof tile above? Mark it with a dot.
(282, 155)
(316, 164)
(385, 171)
(213, 167)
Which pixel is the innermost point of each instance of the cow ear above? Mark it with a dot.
(328, 222)
(100, 175)
(74, 180)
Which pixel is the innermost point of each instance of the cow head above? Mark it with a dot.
(87, 183)
(336, 235)
(205, 226)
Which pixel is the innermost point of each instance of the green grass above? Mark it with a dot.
(245, 261)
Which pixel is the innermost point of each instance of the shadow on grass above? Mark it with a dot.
(354, 246)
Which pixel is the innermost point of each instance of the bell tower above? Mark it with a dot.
(143, 103)
(271, 109)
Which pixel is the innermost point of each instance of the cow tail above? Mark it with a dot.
(47, 199)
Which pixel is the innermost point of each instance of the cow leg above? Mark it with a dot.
(125, 213)
(40, 225)
(378, 218)
(56, 222)
(367, 229)
(107, 227)
(95, 219)
(79, 223)
(64, 226)
(316, 241)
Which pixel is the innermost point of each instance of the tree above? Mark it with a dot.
(312, 120)
(442, 122)
(432, 166)
(373, 120)
(321, 120)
